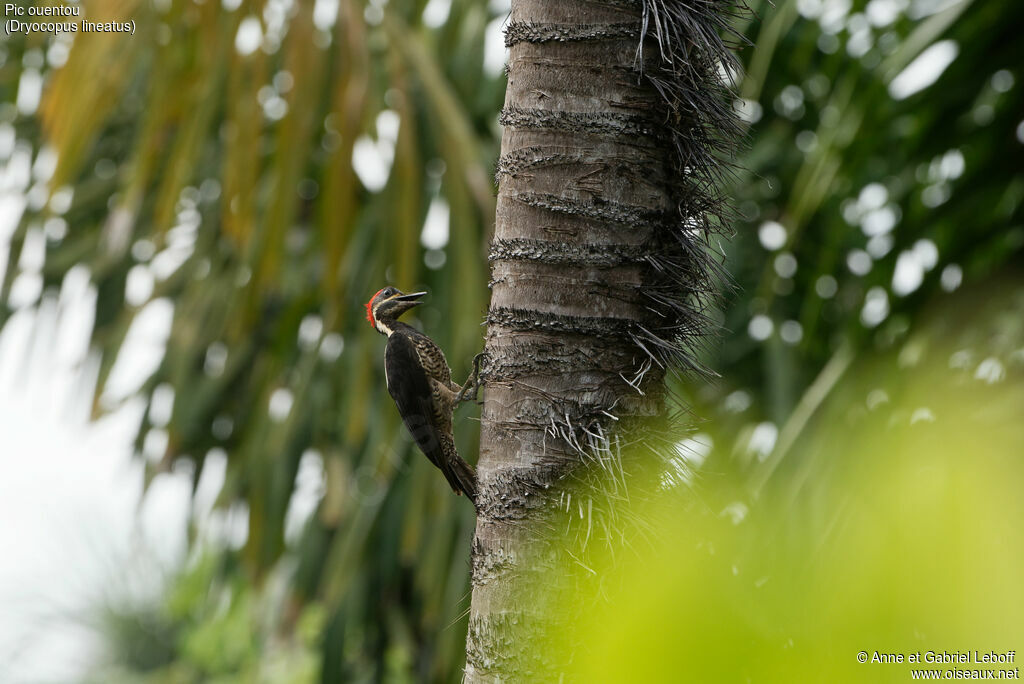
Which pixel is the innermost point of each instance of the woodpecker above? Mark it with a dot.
(420, 381)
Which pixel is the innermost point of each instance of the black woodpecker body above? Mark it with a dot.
(420, 382)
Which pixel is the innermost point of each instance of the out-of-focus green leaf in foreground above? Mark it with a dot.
(909, 542)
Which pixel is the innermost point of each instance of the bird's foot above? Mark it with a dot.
(470, 389)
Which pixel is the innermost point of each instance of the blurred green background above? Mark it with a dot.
(236, 179)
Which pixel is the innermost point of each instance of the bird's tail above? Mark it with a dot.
(460, 475)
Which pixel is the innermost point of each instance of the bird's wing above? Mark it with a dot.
(410, 388)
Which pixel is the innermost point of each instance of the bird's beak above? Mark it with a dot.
(412, 297)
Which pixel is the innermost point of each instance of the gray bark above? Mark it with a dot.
(606, 181)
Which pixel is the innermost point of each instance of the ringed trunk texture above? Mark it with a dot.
(613, 121)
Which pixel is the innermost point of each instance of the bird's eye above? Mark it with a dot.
(388, 292)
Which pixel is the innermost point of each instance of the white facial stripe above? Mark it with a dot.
(381, 302)
(377, 323)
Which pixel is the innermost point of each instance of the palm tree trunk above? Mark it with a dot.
(613, 120)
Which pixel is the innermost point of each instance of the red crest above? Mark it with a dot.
(369, 308)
